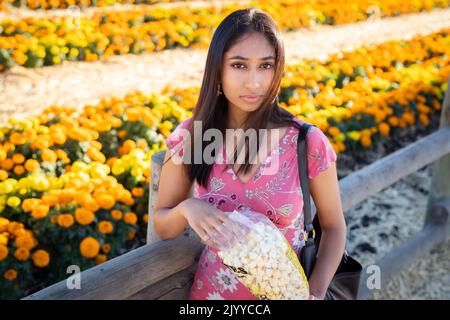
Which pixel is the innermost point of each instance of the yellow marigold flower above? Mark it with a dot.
(89, 247)
(106, 248)
(96, 155)
(145, 218)
(10, 274)
(137, 192)
(106, 201)
(354, 135)
(3, 239)
(3, 175)
(3, 152)
(339, 138)
(18, 158)
(105, 227)
(22, 254)
(65, 220)
(32, 165)
(40, 258)
(49, 155)
(13, 202)
(142, 144)
(130, 218)
(116, 214)
(3, 251)
(40, 211)
(84, 216)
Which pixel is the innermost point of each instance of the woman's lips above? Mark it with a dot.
(251, 98)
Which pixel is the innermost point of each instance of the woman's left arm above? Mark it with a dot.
(325, 191)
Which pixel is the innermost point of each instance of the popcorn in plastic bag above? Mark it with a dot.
(263, 259)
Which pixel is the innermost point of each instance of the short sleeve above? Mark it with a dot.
(175, 142)
(320, 152)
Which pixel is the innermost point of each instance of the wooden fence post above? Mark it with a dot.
(156, 166)
(440, 182)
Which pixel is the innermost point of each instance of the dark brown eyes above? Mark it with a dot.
(267, 65)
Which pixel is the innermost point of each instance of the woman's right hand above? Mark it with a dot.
(211, 224)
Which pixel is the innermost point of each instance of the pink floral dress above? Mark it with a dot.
(278, 195)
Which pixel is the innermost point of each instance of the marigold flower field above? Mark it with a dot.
(74, 184)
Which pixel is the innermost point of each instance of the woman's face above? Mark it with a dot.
(248, 70)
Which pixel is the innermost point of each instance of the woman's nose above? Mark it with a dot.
(253, 81)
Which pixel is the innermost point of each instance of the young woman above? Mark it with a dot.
(242, 78)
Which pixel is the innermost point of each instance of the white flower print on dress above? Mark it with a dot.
(214, 296)
(226, 279)
(248, 193)
(216, 184)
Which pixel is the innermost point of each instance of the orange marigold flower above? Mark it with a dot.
(7, 164)
(106, 248)
(22, 254)
(84, 216)
(131, 234)
(89, 247)
(130, 218)
(105, 227)
(30, 203)
(106, 201)
(18, 158)
(40, 258)
(3, 251)
(384, 129)
(26, 241)
(17, 138)
(19, 170)
(122, 134)
(116, 214)
(65, 220)
(137, 192)
(40, 211)
(49, 155)
(100, 258)
(366, 141)
(10, 274)
(32, 165)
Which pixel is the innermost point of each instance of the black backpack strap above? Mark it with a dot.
(302, 158)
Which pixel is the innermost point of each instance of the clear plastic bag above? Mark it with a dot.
(262, 258)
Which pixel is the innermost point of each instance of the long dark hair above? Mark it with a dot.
(212, 110)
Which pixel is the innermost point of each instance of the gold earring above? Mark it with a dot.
(218, 90)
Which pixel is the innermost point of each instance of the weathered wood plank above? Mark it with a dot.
(440, 181)
(418, 245)
(379, 175)
(156, 166)
(129, 273)
(175, 287)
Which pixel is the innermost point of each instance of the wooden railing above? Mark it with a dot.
(164, 269)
